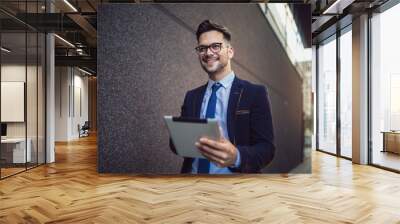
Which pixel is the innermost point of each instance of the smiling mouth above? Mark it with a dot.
(210, 60)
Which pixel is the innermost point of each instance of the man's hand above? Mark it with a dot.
(223, 153)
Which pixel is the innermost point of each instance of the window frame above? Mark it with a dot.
(333, 37)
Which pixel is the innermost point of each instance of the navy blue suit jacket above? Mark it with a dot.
(249, 124)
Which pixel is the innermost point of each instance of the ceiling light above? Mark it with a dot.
(5, 50)
(338, 6)
(79, 51)
(70, 5)
(86, 72)
(65, 41)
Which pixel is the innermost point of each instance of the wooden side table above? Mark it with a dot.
(391, 141)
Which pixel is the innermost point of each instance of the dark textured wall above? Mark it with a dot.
(146, 63)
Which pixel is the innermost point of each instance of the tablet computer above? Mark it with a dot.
(185, 132)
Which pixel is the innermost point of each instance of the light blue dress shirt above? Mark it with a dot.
(220, 114)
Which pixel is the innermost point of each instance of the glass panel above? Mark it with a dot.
(385, 89)
(31, 101)
(13, 87)
(41, 98)
(327, 96)
(345, 94)
(23, 89)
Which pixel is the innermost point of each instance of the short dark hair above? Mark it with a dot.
(207, 25)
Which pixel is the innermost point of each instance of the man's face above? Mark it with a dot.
(211, 59)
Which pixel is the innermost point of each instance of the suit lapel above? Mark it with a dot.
(199, 100)
(236, 91)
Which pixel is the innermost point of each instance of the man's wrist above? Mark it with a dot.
(237, 161)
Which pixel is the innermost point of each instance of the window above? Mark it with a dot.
(346, 93)
(385, 89)
(327, 96)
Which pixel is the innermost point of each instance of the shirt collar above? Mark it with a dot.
(225, 82)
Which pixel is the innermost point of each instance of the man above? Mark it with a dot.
(241, 108)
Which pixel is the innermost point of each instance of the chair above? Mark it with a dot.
(84, 130)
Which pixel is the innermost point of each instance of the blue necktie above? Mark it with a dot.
(204, 164)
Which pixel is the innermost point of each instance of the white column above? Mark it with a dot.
(50, 92)
(360, 90)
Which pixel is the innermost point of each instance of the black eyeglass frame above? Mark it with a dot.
(202, 49)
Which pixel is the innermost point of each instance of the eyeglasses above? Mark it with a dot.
(214, 47)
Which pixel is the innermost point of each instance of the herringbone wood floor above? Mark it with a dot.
(71, 191)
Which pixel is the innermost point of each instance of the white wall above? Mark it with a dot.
(12, 73)
(16, 73)
(71, 94)
(62, 81)
(79, 103)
